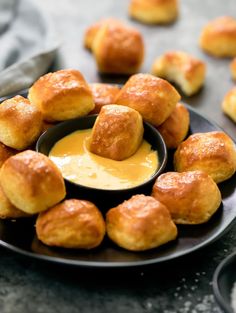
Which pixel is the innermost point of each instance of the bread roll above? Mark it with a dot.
(218, 37)
(118, 49)
(229, 104)
(7, 209)
(154, 98)
(175, 127)
(92, 30)
(71, 224)
(103, 94)
(5, 153)
(62, 95)
(191, 197)
(233, 68)
(154, 11)
(32, 182)
(20, 123)
(140, 223)
(181, 68)
(212, 152)
(117, 132)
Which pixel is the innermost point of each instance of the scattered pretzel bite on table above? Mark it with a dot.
(229, 104)
(72, 223)
(176, 126)
(212, 152)
(218, 37)
(140, 223)
(61, 95)
(181, 68)
(32, 182)
(185, 196)
(154, 98)
(103, 94)
(154, 11)
(117, 132)
(20, 123)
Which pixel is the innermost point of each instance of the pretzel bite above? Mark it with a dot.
(20, 123)
(5, 153)
(118, 49)
(31, 181)
(117, 132)
(154, 98)
(103, 94)
(218, 37)
(175, 127)
(62, 95)
(229, 104)
(184, 194)
(212, 152)
(7, 209)
(182, 69)
(92, 30)
(71, 224)
(140, 223)
(154, 11)
(233, 68)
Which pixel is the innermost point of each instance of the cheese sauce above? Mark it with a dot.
(79, 165)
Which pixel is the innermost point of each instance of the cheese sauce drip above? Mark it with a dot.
(79, 165)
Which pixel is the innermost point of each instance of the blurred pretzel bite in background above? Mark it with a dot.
(218, 37)
(229, 104)
(61, 95)
(154, 98)
(140, 223)
(117, 47)
(212, 152)
(154, 11)
(117, 132)
(20, 123)
(181, 68)
(176, 126)
(103, 94)
(233, 68)
(191, 197)
(5, 153)
(71, 224)
(32, 182)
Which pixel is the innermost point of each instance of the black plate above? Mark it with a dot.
(19, 236)
(223, 282)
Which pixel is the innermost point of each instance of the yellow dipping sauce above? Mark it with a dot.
(79, 165)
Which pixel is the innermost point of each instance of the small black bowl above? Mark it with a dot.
(103, 198)
(223, 282)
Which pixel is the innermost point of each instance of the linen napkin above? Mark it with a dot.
(28, 43)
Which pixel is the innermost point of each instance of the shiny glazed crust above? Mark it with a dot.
(118, 49)
(71, 224)
(181, 68)
(5, 153)
(218, 37)
(229, 104)
(62, 95)
(154, 11)
(154, 98)
(212, 152)
(7, 209)
(103, 94)
(117, 132)
(20, 123)
(185, 196)
(32, 182)
(140, 223)
(233, 68)
(175, 127)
